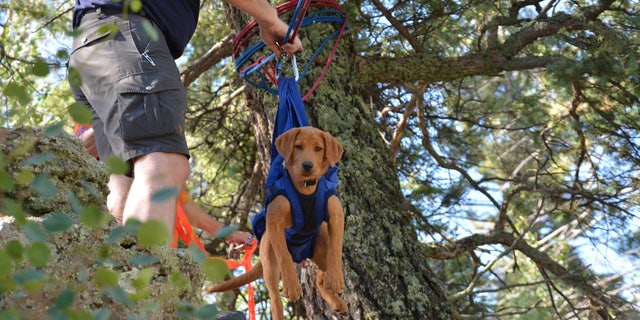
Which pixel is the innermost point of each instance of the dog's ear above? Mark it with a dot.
(284, 143)
(333, 149)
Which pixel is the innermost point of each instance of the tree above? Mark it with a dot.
(491, 152)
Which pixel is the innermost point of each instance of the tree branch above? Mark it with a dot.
(218, 52)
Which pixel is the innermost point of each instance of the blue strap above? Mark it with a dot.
(291, 112)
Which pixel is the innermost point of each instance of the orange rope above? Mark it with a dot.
(184, 231)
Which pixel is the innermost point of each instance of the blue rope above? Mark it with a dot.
(322, 16)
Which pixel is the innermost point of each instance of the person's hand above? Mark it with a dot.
(89, 142)
(238, 237)
(273, 34)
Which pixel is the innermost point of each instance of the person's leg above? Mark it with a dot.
(153, 173)
(119, 186)
(141, 104)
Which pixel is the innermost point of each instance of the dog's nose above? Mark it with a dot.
(307, 165)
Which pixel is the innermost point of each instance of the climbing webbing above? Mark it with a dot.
(262, 73)
(184, 231)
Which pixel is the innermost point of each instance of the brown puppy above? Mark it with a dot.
(308, 153)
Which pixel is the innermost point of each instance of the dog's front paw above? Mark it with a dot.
(291, 289)
(334, 282)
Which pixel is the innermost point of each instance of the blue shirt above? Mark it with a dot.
(177, 19)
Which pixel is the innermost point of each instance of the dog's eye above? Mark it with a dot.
(298, 146)
(318, 148)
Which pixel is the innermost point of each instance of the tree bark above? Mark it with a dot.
(387, 274)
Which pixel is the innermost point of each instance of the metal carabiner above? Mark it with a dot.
(284, 56)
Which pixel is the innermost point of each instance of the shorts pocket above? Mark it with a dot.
(150, 109)
(89, 37)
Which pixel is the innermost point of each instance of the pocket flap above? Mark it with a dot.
(148, 83)
(88, 37)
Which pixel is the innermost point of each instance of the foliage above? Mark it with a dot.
(513, 127)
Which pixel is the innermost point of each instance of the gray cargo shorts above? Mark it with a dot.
(131, 82)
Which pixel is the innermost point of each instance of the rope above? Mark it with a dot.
(184, 231)
(263, 67)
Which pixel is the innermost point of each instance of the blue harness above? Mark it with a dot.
(307, 212)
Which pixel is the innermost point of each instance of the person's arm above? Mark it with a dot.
(272, 29)
(201, 219)
(89, 142)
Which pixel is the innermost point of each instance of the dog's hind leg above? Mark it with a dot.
(335, 302)
(320, 259)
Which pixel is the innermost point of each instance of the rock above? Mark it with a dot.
(52, 266)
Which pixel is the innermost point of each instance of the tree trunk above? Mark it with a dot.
(387, 276)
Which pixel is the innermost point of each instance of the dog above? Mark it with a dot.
(308, 154)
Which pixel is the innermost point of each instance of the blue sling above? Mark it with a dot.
(301, 237)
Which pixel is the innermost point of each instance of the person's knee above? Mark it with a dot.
(173, 166)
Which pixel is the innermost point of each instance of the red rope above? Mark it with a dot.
(251, 29)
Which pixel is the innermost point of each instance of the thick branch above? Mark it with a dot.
(543, 260)
(428, 67)
(218, 52)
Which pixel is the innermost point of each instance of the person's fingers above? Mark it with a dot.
(291, 48)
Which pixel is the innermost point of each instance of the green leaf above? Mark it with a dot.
(54, 129)
(42, 184)
(153, 233)
(179, 280)
(119, 295)
(6, 181)
(6, 264)
(38, 159)
(116, 234)
(208, 311)
(13, 208)
(25, 146)
(15, 249)
(7, 285)
(164, 194)
(105, 277)
(150, 30)
(64, 299)
(25, 276)
(34, 232)
(143, 279)
(226, 231)
(215, 269)
(108, 28)
(40, 68)
(116, 165)
(57, 222)
(73, 77)
(101, 314)
(135, 5)
(93, 216)
(25, 177)
(197, 254)
(17, 91)
(38, 254)
(80, 113)
(142, 260)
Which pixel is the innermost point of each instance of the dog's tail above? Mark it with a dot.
(254, 274)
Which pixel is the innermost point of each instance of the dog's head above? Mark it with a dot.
(308, 153)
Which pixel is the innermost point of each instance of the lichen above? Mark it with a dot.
(76, 180)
